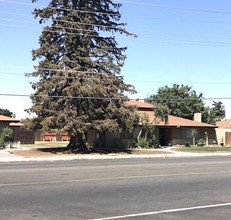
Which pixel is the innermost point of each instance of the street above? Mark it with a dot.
(159, 188)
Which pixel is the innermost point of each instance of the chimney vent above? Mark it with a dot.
(197, 117)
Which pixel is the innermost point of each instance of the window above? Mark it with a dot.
(187, 133)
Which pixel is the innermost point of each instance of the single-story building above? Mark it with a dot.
(5, 121)
(224, 132)
(19, 134)
(176, 131)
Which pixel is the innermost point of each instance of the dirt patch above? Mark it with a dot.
(64, 152)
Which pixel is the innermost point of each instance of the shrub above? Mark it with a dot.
(6, 135)
(201, 142)
(154, 141)
(143, 143)
(187, 144)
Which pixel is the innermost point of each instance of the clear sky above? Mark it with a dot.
(181, 42)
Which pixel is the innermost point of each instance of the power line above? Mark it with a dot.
(108, 98)
(64, 21)
(129, 2)
(154, 82)
(21, 27)
(95, 24)
(18, 21)
(66, 97)
(53, 31)
(133, 30)
(100, 25)
(64, 9)
(165, 33)
(13, 13)
(178, 20)
(201, 43)
(175, 7)
(135, 16)
(67, 71)
(133, 81)
(10, 73)
(21, 3)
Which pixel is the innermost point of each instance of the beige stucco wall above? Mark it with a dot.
(220, 133)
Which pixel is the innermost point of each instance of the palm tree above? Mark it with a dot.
(194, 132)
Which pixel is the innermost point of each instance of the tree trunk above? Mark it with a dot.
(77, 142)
(103, 139)
(194, 141)
(72, 144)
(140, 132)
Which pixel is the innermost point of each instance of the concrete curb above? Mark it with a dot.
(6, 156)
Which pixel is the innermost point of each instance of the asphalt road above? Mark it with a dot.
(162, 189)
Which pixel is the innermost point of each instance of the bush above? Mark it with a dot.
(143, 143)
(6, 135)
(187, 144)
(154, 142)
(201, 142)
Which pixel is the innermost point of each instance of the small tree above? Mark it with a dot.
(194, 132)
(216, 113)
(32, 123)
(161, 113)
(6, 135)
(147, 136)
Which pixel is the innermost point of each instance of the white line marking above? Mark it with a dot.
(164, 211)
(110, 178)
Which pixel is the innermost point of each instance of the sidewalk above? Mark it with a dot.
(6, 156)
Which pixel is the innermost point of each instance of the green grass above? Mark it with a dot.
(45, 144)
(204, 149)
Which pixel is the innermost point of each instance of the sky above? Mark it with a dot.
(179, 42)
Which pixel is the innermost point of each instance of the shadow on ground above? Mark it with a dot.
(65, 150)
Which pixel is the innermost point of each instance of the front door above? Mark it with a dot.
(165, 135)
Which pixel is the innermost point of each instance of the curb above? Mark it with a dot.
(170, 154)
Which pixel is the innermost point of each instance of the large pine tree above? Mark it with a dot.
(79, 84)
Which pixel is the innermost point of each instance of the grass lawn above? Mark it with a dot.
(203, 149)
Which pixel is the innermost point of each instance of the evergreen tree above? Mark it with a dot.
(31, 123)
(216, 112)
(178, 100)
(182, 101)
(6, 112)
(79, 83)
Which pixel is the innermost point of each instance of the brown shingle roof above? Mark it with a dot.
(224, 124)
(9, 119)
(178, 121)
(16, 124)
(173, 121)
(138, 104)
